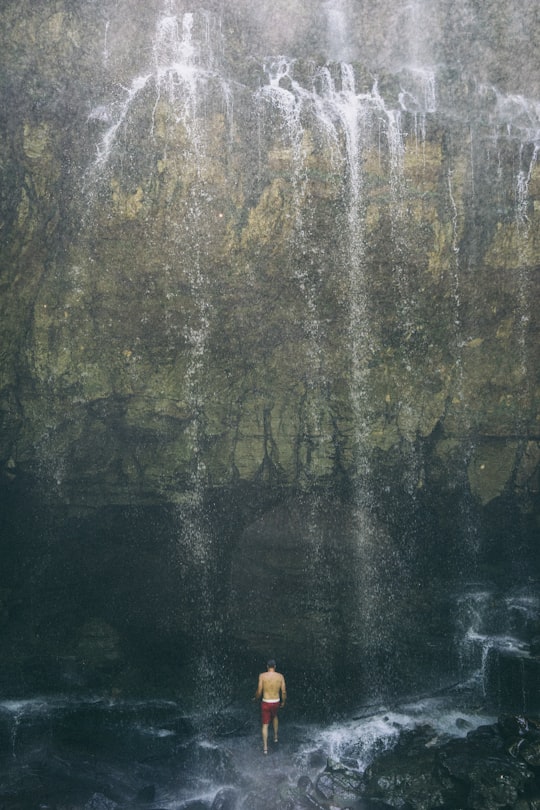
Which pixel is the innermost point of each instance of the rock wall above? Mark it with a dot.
(217, 270)
(289, 251)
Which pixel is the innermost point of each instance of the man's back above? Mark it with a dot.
(271, 683)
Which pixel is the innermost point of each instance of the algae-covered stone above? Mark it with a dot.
(490, 468)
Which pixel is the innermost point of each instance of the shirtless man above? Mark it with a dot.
(271, 686)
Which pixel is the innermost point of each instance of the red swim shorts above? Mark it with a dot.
(269, 711)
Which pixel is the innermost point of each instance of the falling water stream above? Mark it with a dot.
(121, 752)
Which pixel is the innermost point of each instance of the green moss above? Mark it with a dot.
(490, 469)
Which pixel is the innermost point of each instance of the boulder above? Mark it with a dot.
(338, 784)
(225, 799)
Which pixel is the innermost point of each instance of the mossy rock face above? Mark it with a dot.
(268, 338)
(224, 269)
(491, 468)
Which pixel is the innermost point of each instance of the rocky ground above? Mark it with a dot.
(104, 758)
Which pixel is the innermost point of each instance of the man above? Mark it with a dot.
(272, 689)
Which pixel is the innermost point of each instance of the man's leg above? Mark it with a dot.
(275, 723)
(265, 737)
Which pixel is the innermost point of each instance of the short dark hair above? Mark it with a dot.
(271, 663)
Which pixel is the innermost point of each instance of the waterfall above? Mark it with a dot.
(284, 94)
(517, 118)
(185, 61)
(523, 180)
(168, 106)
(418, 95)
(185, 65)
(106, 43)
(528, 157)
(268, 388)
(297, 287)
(117, 113)
(353, 125)
(337, 27)
(180, 71)
(494, 634)
(417, 31)
(349, 121)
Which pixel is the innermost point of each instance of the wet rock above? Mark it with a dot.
(339, 784)
(292, 802)
(474, 772)
(317, 759)
(307, 794)
(225, 799)
(522, 738)
(512, 680)
(305, 784)
(512, 725)
(98, 644)
(496, 783)
(325, 786)
(302, 796)
(532, 803)
(100, 802)
(490, 776)
(72, 340)
(253, 801)
(409, 782)
(296, 799)
(96, 657)
(535, 646)
(529, 751)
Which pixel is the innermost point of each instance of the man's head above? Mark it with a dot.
(271, 664)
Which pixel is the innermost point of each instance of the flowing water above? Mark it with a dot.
(99, 752)
(154, 754)
(108, 752)
(342, 111)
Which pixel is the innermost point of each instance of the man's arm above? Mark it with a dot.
(283, 691)
(259, 691)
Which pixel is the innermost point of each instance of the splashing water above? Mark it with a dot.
(97, 747)
(418, 95)
(108, 140)
(184, 60)
(357, 742)
(518, 118)
(176, 68)
(522, 184)
(491, 623)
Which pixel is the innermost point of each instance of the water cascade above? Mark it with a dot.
(268, 388)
